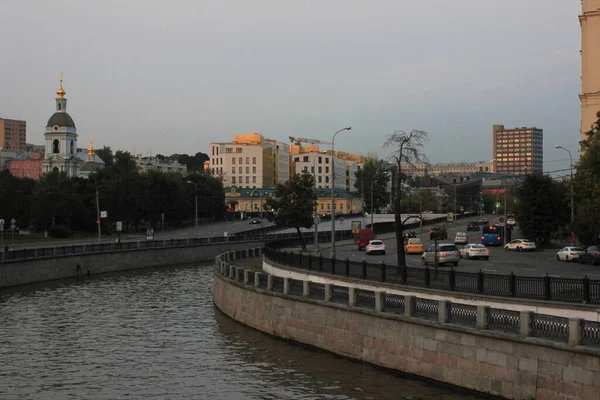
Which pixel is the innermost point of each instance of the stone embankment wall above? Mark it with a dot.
(21, 272)
(489, 362)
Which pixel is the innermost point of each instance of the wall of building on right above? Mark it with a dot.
(518, 150)
(590, 63)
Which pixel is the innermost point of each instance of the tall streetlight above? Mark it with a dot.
(196, 203)
(572, 195)
(333, 190)
(372, 180)
(97, 208)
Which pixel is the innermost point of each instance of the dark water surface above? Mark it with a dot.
(155, 334)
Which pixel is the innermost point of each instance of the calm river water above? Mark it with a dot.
(155, 334)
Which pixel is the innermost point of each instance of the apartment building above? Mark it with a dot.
(250, 161)
(518, 150)
(590, 63)
(145, 164)
(13, 134)
(423, 168)
(321, 165)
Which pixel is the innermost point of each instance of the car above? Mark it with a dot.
(447, 253)
(375, 247)
(438, 232)
(472, 226)
(409, 234)
(520, 245)
(591, 255)
(427, 212)
(255, 221)
(461, 238)
(413, 246)
(510, 221)
(483, 221)
(569, 253)
(475, 250)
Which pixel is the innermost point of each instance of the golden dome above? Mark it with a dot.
(61, 92)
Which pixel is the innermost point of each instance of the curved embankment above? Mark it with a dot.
(399, 333)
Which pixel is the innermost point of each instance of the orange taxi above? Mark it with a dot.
(413, 246)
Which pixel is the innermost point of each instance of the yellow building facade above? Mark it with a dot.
(590, 63)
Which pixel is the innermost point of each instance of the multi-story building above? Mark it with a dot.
(321, 165)
(423, 168)
(518, 150)
(250, 161)
(13, 135)
(145, 164)
(590, 63)
(29, 167)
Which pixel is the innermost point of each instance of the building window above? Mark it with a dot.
(228, 150)
(247, 179)
(327, 179)
(320, 169)
(247, 160)
(233, 180)
(326, 170)
(253, 160)
(233, 170)
(327, 161)
(240, 160)
(253, 179)
(320, 159)
(55, 146)
(247, 170)
(320, 179)
(312, 170)
(305, 158)
(240, 170)
(233, 160)
(238, 150)
(296, 159)
(254, 170)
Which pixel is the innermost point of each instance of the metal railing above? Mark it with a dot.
(482, 318)
(568, 290)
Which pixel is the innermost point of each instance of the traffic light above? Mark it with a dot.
(482, 205)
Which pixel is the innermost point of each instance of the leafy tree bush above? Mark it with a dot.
(60, 231)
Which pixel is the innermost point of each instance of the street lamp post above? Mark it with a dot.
(333, 191)
(571, 185)
(97, 208)
(196, 204)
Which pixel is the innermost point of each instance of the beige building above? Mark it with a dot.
(319, 165)
(590, 63)
(422, 168)
(250, 161)
(518, 150)
(13, 134)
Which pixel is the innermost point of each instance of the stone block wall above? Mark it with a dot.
(483, 361)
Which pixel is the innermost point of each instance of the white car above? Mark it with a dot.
(511, 221)
(461, 238)
(475, 250)
(569, 254)
(375, 247)
(520, 245)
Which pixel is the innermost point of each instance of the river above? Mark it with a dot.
(155, 334)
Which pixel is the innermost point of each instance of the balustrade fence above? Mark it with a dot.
(572, 331)
(548, 288)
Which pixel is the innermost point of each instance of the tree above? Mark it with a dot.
(542, 208)
(587, 186)
(409, 150)
(106, 154)
(294, 204)
(372, 171)
(124, 162)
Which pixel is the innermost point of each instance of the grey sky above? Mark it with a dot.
(172, 76)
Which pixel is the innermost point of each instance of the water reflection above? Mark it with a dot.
(156, 334)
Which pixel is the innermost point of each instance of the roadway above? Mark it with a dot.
(536, 263)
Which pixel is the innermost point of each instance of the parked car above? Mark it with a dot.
(461, 238)
(472, 226)
(569, 253)
(475, 250)
(413, 246)
(375, 247)
(591, 255)
(520, 245)
(255, 221)
(447, 253)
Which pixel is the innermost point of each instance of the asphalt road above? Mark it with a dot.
(536, 263)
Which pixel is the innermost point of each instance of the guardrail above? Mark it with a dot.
(573, 331)
(547, 288)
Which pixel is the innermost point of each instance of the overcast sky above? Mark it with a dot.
(172, 76)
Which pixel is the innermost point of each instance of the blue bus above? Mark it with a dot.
(492, 235)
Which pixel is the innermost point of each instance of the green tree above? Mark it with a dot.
(542, 208)
(124, 162)
(409, 150)
(587, 188)
(294, 204)
(372, 172)
(106, 154)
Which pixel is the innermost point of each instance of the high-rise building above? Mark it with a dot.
(13, 134)
(590, 63)
(518, 150)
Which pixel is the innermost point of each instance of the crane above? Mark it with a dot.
(298, 141)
